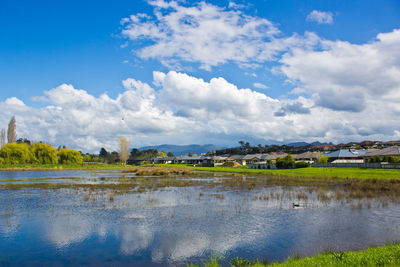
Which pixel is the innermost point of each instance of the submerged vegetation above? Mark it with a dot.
(330, 172)
(298, 188)
(388, 255)
(272, 188)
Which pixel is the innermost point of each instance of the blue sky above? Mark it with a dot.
(87, 45)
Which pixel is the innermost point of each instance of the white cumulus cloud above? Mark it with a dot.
(206, 34)
(320, 17)
(260, 86)
(348, 77)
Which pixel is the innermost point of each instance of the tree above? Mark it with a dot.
(161, 154)
(135, 152)
(323, 159)
(12, 131)
(103, 153)
(170, 154)
(22, 141)
(44, 154)
(287, 162)
(2, 138)
(69, 156)
(15, 154)
(123, 149)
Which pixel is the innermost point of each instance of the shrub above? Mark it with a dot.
(44, 154)
(323, 159)
(287, 162)
(69, 156)
(15, 154)
(392, 159)
(302, 164)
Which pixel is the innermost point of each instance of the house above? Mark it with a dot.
(308, 156)
(251, 158)
(389, 151)
(346, 156)
(218, 160)
(273, 156)
(188, 160)
(164, 160)
(239, 159)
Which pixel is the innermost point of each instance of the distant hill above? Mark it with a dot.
(300, 144)
(184, 149)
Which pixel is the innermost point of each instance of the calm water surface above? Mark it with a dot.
(177, 225)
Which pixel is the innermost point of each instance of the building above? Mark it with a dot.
(346, 156)
(393, 151)
(308, 156)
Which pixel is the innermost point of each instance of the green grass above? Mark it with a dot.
(4, 167)
(359, 173)
(388, 255)
(332, 172)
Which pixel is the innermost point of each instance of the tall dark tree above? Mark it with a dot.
(103, 153)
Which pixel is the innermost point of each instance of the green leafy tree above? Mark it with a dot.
(69, 156)
(323, 159)
(44, 154)
(16, 154)
(170, 154)
(87, 158)
(161, 154)
(287, 162)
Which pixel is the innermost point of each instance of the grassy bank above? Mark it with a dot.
(52, 167)
(376, 256)
(359, 173)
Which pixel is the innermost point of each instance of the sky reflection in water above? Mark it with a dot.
(176, 226)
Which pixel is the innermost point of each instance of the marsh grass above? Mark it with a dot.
(332, 172)
(388, 255)
(156, 178)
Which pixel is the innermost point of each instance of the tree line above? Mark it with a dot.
(23, 151)
(38, 153)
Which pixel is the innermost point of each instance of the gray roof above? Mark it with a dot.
(237, 157)
(273, 156)
(189, 158)
(252, 156)
(389, 151)
(346, 153)
(307, 155)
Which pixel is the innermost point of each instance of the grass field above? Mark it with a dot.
(307, 172)
(359, 173)
(11, 167)
(388, 255)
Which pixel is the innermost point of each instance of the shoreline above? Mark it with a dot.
(386, 255)
(326, 173)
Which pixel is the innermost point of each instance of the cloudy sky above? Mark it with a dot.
(182, 72)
